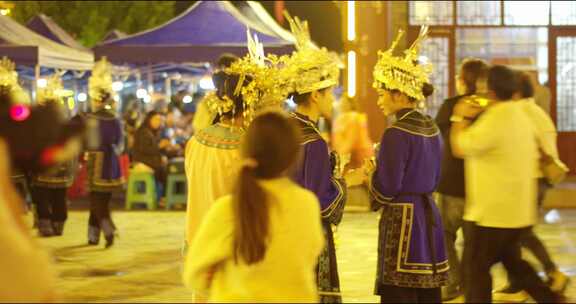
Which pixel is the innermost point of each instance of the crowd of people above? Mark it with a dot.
(265, 191)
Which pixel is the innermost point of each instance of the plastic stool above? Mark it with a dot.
(176, 190)
(141, 190)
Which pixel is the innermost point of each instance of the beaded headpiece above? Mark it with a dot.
(9, 81)
(258, 84)
(8, 76)
(309, 68)
(404, 74)
(100, 82)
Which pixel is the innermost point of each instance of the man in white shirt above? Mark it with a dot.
(546, 137)
(501, 161)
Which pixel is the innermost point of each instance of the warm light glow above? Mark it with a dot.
(116, 98)
(42, 83)
(206, 83)
(187, 99)
(117, 86)
(71, 103)
(423, 60)
(141, 93)
(351, 20)
(351, 74)
(82, 97)
(5, 11)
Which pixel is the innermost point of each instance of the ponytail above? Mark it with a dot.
(251, 210)
(270, 147)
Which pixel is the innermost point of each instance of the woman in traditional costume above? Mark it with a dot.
(212, 156)
(412, 262)
(312, 74)
(49, 189)
(103, 163)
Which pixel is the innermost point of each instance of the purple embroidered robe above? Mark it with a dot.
(315, 173)
(104, 171)
(411, 249)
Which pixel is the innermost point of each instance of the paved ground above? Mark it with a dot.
(144, 266)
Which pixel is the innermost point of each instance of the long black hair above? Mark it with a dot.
(271, 143)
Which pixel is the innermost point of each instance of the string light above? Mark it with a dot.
(206, 84)
(117, 86)
(42, 83)
(141, 93)
(82, 97)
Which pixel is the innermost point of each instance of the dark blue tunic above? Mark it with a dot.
(315, 173)
(411, 243)
(104, 171)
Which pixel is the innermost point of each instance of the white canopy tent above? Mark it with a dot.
(26, 47)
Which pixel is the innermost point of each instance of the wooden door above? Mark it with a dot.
(562, 79)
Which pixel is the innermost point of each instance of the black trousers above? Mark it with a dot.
(532, 242)
(488, 246)
(100, 216)
(396, 294)
(50, 203)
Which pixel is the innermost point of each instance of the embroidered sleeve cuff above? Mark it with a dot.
(333, 213)
(376, 196)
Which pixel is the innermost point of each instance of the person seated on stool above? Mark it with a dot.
(148, 148)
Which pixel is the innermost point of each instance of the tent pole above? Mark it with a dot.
(35, 84)
(150, 80)
(75, 89)
(168, 88)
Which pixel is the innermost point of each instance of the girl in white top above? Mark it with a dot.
(260, 244)
(26, 273)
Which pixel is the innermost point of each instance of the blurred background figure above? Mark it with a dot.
(471, 79)
(497, 161)
(49, 189)
(351, 141)
(260, 243)
(132, 118)
(546, 139)
(34, 139)
(148, 148)
(103, 162)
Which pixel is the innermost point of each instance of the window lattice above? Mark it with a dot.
(431, 12)
(478, 12)
(526, 12)
(566, 84)
(521, 43)
(563, 12)
(437, 49)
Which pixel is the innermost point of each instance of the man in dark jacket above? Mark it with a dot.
(471, 80)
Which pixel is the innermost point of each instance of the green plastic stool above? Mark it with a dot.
(176, 190)
(136, 195)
